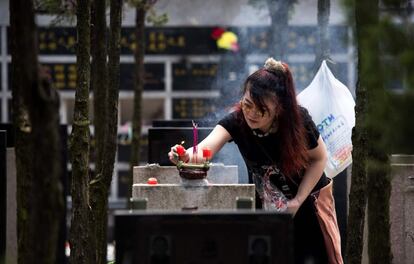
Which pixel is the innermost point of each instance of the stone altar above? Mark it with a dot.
(219, 191)
(218, 173)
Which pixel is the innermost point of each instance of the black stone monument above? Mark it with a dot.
(3, 194)
(241, 237)
(62, 237)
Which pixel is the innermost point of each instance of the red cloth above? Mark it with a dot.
(326, 214)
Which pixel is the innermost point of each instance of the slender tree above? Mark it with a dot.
(99, 83)
(378, 109)
(358, 195)
(99, 77)
(323, 49)
(358, 192)
(80, 140)
(36, 120)
(24, 74)
(370, 172)
(106, 129)
(46, 198)
(141, 8)
(279, 20)
(278, 33)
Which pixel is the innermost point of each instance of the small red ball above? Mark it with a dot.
(152, 181)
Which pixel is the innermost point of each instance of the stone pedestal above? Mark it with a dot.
(402, 209)
(218, 173)
(194, 196)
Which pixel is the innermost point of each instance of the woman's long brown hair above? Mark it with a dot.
(293, 147)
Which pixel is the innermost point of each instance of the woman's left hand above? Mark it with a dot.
(293, 206)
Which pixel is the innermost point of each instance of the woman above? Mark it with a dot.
(285, 157)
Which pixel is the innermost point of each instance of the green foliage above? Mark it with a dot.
(264, 4)
(137, 3)
(64, 10)
(401, 125)
(151, 14)
(259, 4)
(392, 112)
(394, 4)
(156, 20)
(389, 112)
(50, 6)
(397, 43)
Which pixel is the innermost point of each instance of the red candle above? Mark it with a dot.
(206, 153)
(180, 150)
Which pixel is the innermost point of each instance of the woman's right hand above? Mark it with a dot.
(178, 152)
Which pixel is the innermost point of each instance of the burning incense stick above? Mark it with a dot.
(195, 140)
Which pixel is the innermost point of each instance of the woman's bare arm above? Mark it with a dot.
(318, 159)
(214, 141)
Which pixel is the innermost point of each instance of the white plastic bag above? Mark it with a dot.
(331, 106)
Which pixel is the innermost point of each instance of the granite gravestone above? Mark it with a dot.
(203, 237)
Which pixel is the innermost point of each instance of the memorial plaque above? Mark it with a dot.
(189, 108)
(194, 40)
(194, 76)
(124, 149)
(300, 40)
(154, 76)
(123, 182)
(171, 40)
(64, 76)
(159, 40)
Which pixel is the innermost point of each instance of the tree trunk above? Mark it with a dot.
(379, 191)
(370, 173)
(99, 72)
(358, 193)
(279, 16)
(99, 77)
(40, 194)
(47, 201)
(23, 75)
(138, 88)
(100, 185)
(378, 167)
(80, 140)
(323, 50)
